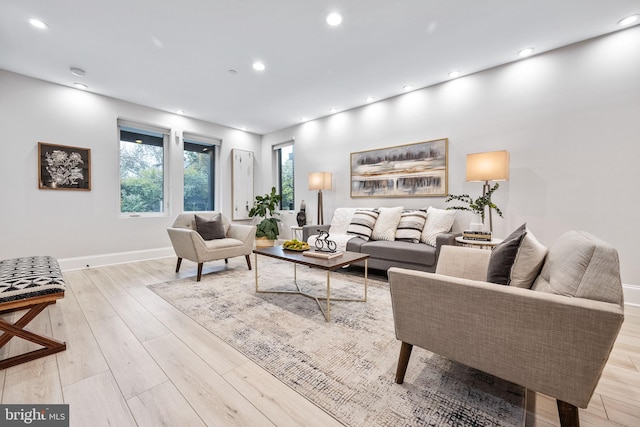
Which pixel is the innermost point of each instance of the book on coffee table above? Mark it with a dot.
(324, 255)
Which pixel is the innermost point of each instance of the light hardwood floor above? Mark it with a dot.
(133, 359)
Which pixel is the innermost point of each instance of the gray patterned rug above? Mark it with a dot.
(347, 366)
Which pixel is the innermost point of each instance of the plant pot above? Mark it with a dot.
(476, 223)
(263, 242)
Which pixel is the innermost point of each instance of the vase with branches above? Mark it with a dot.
(477, 206)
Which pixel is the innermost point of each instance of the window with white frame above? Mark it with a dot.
(199, 172)
(143, 188)
(284, 161)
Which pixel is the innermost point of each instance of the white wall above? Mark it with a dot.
(71, 224)
(568, 117)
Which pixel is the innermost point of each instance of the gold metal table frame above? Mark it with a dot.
(328, 265)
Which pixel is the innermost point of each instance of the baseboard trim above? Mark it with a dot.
(631, 295)
(67, 264)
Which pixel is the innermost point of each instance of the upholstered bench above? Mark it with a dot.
(31, 283)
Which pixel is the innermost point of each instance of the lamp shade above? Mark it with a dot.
(489, 166)
(320, 181)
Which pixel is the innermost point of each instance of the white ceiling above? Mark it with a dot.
(173, 55)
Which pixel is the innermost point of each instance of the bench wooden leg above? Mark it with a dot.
(16, 329)
(403, 361)
(569, 416)
(248, 261)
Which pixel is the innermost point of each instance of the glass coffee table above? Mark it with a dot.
(328, 265)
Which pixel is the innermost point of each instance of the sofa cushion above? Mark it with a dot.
(341, 220)
(438, 221)
(528, 262)
(386, 223)
(362, 223)
(210, 228)
(411, 225)
(503, 257)
(400, 251)
(580, 265)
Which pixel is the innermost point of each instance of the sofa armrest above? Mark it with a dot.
(186, 243)
(466, 263)
(443, 239)
(310, 230)
(244, 233)
(549, 343)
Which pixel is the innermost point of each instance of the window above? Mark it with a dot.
(199, 174)
(286, 181)
(142, 165)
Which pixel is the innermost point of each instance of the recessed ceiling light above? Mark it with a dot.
(80, 86)
(180, 112)
(369, 99)
(38, 23)
(243, 128)
(454, 74)
(628, 20)
(407, 88)
(334, 19)
(77, 72)
(258, 66)
(525, 52)
(333, 110)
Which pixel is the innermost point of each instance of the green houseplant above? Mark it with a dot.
(265, 206)
(476, 206)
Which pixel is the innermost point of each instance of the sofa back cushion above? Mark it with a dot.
(341, 220)
(582, 266)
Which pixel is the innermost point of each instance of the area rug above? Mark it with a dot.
(346, 366)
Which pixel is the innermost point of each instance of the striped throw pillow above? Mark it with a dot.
(411, 225)
(362, 223)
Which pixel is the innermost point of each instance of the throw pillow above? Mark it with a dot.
(386, 224)
(362, 223)
(438, 221)
(411, 225)
(210, 229)
(528, 262)
(503, 256)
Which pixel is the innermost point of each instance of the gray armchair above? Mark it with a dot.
(554, 338)
(189, 244)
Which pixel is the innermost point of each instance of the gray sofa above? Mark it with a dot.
(386, 254)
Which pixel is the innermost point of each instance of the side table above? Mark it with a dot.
(296, 232)
(480, 244)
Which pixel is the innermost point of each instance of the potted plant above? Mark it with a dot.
(477, 206)
(267, 229)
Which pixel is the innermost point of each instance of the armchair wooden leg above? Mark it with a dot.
(569, 416)
(178, 265)
(403, 361)
(248, 258)
(226, 260)
(199, 271)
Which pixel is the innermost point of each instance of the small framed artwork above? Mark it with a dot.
(61, 167)
(410, 170)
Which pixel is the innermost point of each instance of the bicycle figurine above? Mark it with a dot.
(323, 244)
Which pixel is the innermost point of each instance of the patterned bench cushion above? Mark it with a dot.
(27, 277)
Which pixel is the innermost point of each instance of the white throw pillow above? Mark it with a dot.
(528, 263)
(362, 223)
(438, 221)
(341, 219)
(387, 224)
(411, 225)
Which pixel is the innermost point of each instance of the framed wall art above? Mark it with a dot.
(411, 170)
(242, 183)
(61, 167)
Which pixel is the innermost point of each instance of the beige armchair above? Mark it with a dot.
(554, 338)
(188, 244)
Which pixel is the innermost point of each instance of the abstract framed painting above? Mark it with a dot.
(61, 167)
(411, 170)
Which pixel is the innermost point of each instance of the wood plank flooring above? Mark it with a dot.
(132, 359)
